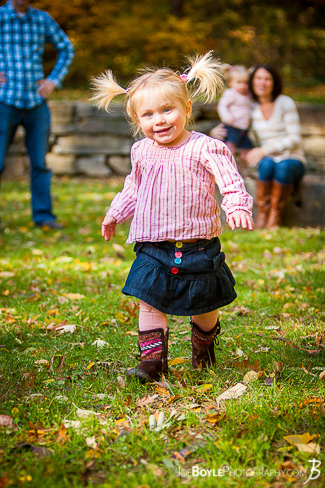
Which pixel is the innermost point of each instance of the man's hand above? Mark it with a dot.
(240, 218)
(45, 88)
(3, 79)
(254, 156)
(108, 227)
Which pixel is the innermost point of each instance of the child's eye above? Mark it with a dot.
(147, 114)
(167, 109)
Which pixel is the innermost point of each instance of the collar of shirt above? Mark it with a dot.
(11, 12)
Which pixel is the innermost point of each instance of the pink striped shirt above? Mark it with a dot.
(170, 190)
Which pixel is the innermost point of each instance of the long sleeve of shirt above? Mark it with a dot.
(170, 190)
(64, 48)
(123, 205)
(230, 183)
(22, 43)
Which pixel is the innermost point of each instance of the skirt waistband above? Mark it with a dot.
(186, 246)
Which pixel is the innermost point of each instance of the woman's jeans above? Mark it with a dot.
(286, 172)
(36, 122)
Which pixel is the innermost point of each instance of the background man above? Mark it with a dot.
(24, 31)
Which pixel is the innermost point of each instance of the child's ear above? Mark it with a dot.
(188, 109)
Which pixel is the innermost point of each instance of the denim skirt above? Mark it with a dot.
(181, 278)
(238, 137)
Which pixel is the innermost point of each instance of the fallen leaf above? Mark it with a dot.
(75, 424)
(300, 439)
(311, 447)
(245, 364)
(250, 376)
(146, 400)
(91, 442)
(6, 274)
(214, 417)
(204, 387)
(233, 392)
(74, 296)
(6, 421)
(177, 361)
(66, 328)
(85, 413)
(121, 382)
(322, 376)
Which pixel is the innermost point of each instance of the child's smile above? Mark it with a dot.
(163, 120)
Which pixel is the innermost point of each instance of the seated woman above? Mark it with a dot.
(276, 124)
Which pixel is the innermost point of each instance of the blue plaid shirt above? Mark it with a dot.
(22, 41)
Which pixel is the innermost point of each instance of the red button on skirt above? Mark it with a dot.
(174, 270)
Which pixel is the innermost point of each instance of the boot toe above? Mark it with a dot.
(141, 375)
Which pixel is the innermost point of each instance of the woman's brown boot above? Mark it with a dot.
(263, 198)
(203, 346)
(153, 347)
(280, 196)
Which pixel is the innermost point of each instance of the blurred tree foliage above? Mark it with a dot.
(126, 34)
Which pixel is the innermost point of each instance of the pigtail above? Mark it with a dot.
(105, 88)
(206, 70)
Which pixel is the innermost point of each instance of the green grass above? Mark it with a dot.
(276, 326)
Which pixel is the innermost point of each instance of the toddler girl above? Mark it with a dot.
(179, 268)
(234, 109)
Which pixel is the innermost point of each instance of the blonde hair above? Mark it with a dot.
(230, 72)
(203, 73)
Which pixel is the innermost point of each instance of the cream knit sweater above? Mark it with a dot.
(280, 136)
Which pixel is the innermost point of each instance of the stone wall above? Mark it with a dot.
(89, 142)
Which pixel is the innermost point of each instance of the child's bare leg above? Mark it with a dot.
(151, 318)
(206, 321)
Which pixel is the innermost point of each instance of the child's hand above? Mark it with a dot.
(240, 218)
(108, 227)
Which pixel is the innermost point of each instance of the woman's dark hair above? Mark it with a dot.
(277, 82)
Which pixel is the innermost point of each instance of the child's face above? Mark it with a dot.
(239, 84)
(163, 119)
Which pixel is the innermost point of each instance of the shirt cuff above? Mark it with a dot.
(116, 215)
(239, 208)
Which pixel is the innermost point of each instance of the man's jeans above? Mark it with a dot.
(286, 172)
(37, 129)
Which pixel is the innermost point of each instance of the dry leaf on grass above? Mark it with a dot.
(84, 413)
(304, 442)
(91, 442)
(62, 327)
(99, 343)
(74, 296)
(233, 392)
(250, 376)
(6, 421)
(177, 361)
(146, 400)
(75, 424)
(121, 382)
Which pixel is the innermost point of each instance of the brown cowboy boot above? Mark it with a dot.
(153, 347)
(203, 346)
(279, 199)
(263, 198)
